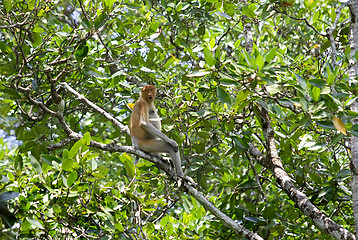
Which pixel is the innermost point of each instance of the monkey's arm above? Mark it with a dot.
(154, 131)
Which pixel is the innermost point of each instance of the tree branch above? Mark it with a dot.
(330, 34)
(300, 19)
(273, 162)
(228, 222)
(81, 98)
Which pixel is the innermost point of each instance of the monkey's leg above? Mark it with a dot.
(157, 146)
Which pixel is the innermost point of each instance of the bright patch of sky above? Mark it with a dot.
(10, 141)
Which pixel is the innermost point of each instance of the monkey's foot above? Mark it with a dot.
(181, 180)
(190, 181)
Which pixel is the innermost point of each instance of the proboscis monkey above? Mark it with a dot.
(145, 129)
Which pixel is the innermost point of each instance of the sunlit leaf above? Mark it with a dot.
(75, 148)
(316, 93)
(223, 15)
(130, 105)
(339, 125)
(93, 163)
(200, 96)
(71, 178)
(209, 57)
(8, 5)
(67, 165)
(35, 223)
(223, 95)
(248, 12)
(35, 164)
(301, 81)
(199, 73)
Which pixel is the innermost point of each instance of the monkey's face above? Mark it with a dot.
(148, 93)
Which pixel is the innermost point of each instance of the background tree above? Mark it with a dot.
(257, 94)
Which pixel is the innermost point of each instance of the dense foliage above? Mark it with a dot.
(211, 83)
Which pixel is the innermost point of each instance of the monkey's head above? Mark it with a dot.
(148, 93)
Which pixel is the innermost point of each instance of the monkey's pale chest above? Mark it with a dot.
(154, 119)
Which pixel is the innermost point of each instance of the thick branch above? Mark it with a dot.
(80, 97)
(19, 24)
(230, 223)
(273, 161)
(353, 73)
(330, 35)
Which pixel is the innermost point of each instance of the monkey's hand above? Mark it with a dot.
(174, 144)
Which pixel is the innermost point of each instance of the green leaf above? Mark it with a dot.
(199, 73)
(304, 121)
(119, 226)
(86, 138)
(242, 95)
(100, 20)
(34, 223)
(223, 95)
(250, 61)
(109, 3)
(209, 58)
(316, 93)
(31, 4)
(200, 97)
(301, 82)
(248, 12)
(179, 6)
(350, 101)
(56, 208)
(71, 178)
(102, 172)
(130, 168)
(273, 88)
(325, 46)
(36, 150)
(336, 139)
(19, 164)
(75, 148)
(327, 124)
(228, 82)
(204, 135)
(260, 61)
(224, 15)
(37, 39)
(81, 51)
(201, 30)
(67, 165)
(93, 164)
(229, 8)
(320, 83)
(38, 29)
(35, 164)
(212, 43)
(8, 5)
(271, 54)
(88, 61)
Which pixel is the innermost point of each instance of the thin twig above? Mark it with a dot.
(301, 19)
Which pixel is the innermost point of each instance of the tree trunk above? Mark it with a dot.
(353, 73)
